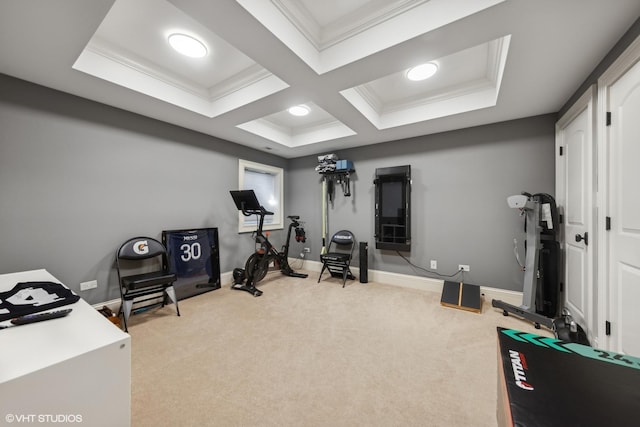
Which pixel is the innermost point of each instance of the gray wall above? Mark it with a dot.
(77, 178)
(461, 181)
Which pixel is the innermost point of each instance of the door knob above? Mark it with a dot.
(579, 238)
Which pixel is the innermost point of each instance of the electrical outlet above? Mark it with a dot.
(434, 264)
(91, 284)
(307, 250)
(464, 267)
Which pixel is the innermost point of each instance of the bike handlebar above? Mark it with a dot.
(262, 211)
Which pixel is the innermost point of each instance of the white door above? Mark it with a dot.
(574, 191)
(624, 211)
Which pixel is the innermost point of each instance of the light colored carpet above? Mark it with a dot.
(308, 354)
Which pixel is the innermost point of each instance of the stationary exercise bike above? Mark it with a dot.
(258, 263)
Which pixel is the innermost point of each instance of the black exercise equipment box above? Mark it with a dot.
(546, 382)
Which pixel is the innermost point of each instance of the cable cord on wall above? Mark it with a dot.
(430, 271)
(515, 251)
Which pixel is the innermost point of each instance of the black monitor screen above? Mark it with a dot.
(245, 199)
(391, 201)
(194, 257)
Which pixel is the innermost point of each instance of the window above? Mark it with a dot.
(266, 181)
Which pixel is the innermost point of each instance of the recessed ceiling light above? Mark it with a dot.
(187, 45)
(299, 110)
(422, 71)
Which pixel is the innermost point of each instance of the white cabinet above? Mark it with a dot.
(75, 369)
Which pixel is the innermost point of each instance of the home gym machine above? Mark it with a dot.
(333, 171)
(541, 269)
(258, 263)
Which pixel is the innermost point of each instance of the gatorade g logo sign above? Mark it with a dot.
(141, 247)
(519, 365)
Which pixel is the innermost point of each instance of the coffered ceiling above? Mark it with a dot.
(345, 60)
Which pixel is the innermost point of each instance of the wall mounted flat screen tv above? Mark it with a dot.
(194, 257)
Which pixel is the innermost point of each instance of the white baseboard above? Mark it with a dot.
(424, 283)
(114, 305)
(406, 281)
(510, 297)
(435, 285)
(226, 278)
(307, 264)
(395, 279)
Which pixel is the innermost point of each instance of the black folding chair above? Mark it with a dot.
(338, 257)
(147, 259)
